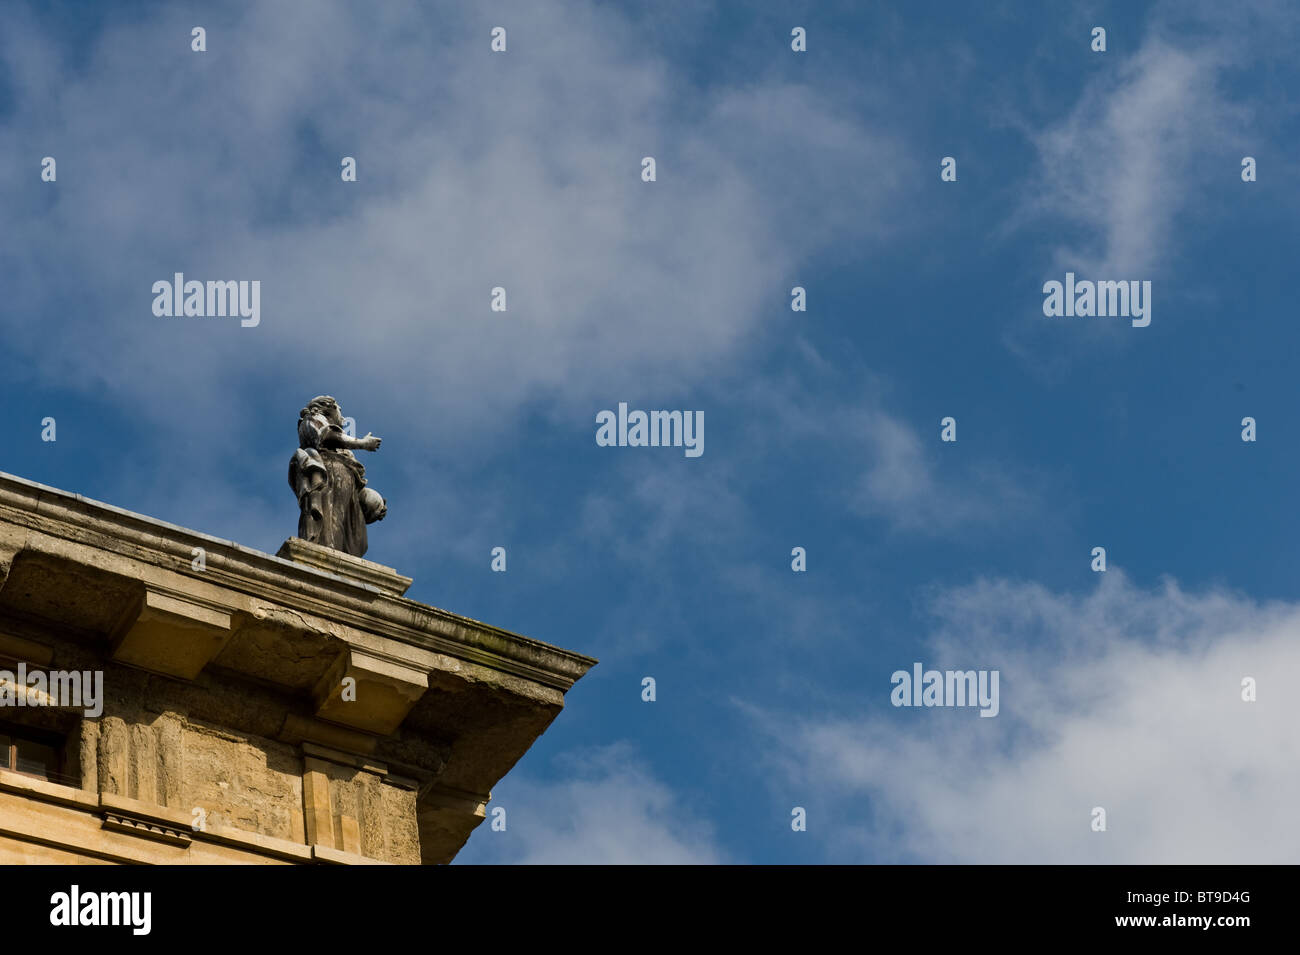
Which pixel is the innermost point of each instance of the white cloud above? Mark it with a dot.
(1125, 698)
(609, 810)
(476, 170)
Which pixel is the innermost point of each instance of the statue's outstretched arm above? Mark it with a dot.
(337, 439)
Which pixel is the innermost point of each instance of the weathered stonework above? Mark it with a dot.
(229, 731)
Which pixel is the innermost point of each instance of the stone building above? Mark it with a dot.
(253, 708)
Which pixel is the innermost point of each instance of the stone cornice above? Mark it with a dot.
(53, 513)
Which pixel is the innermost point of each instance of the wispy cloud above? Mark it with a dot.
(905, 483)
(1126, 166)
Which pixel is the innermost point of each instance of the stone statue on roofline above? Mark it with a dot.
(333, 501)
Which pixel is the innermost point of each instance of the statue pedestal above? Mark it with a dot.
(344, 565)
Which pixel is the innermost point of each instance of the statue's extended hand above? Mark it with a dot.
(369, 442)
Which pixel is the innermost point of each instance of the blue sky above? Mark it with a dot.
(774, 169)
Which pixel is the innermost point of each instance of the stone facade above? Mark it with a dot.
(256, 708)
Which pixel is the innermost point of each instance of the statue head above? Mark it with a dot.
(326, 406)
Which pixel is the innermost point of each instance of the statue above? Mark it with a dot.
(334, 503)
